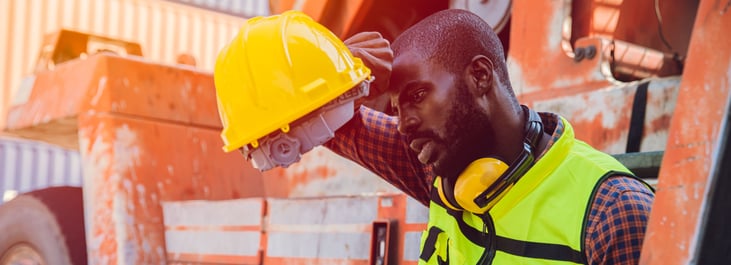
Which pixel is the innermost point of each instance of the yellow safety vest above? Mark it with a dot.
(541, 220)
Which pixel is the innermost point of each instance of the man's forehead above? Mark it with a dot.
(408, 66)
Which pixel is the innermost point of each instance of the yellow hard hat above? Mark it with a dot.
(276, 70)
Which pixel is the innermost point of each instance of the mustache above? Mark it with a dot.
(423, 134)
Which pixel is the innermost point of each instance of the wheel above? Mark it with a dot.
(43, 227)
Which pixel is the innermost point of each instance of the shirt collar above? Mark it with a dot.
(552, 125)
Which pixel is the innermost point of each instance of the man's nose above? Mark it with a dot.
(407, 122)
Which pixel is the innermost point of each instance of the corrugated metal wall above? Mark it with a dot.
(239, 8)
(164, 29)
(28, 165)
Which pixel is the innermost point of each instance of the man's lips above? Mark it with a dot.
(424, 148)
(417, 144)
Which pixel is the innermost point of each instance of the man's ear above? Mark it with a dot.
(480, 73)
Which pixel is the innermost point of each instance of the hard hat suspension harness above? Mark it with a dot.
(286, 146)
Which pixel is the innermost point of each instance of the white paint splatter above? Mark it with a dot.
(204, 147)
(99, 90)
(126, 151)
(119, 217)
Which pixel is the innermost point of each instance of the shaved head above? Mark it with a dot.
(451, 92)
(451, 38)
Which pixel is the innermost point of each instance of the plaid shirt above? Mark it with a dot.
(617, 218)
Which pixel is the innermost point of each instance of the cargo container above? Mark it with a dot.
(31, 165)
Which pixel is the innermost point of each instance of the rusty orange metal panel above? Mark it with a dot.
(637, 22)
(169, 94)
(607, 127)
(108, 83)
(132, 164)
(164, 30)
(692, 151)
(132, 160)
(538, 41)
(55, 122)
(546, 74)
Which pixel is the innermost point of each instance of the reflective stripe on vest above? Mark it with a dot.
(536, 222)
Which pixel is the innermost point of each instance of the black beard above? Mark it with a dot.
(469, 135)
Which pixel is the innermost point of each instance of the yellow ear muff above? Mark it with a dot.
(474, 180)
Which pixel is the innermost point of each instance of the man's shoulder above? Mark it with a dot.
(624, 183)
(622, 189)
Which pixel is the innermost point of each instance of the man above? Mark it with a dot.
(504, 184)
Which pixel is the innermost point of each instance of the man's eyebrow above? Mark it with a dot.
(410, 85)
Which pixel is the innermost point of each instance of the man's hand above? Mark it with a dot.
(376, 53)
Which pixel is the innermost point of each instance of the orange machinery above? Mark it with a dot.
(647, 76)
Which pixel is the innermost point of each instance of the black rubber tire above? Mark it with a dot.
(51, 221)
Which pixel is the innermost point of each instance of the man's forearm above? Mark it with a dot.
(372, 140)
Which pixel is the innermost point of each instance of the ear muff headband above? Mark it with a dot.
(447, 197)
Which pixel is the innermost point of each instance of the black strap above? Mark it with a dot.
(521, 165)
(637, 120)
(533, 128)
(508, 245)
(448, 190)
(430, 243)
(539, 250)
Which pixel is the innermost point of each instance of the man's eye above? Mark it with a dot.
(418, 95)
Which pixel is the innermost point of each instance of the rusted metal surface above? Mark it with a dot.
(164, 30)
(606, 127)
(546, 76)
(147, 133)
(693, 142)
(636, 22)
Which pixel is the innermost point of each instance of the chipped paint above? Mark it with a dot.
(693, 141)
(99, 91)
(96, 161)
(606, 128)
(136, 154)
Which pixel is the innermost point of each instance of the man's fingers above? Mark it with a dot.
(363, 36)
(380, 54)
(376, 54)
(370, 43)
(381, 59)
